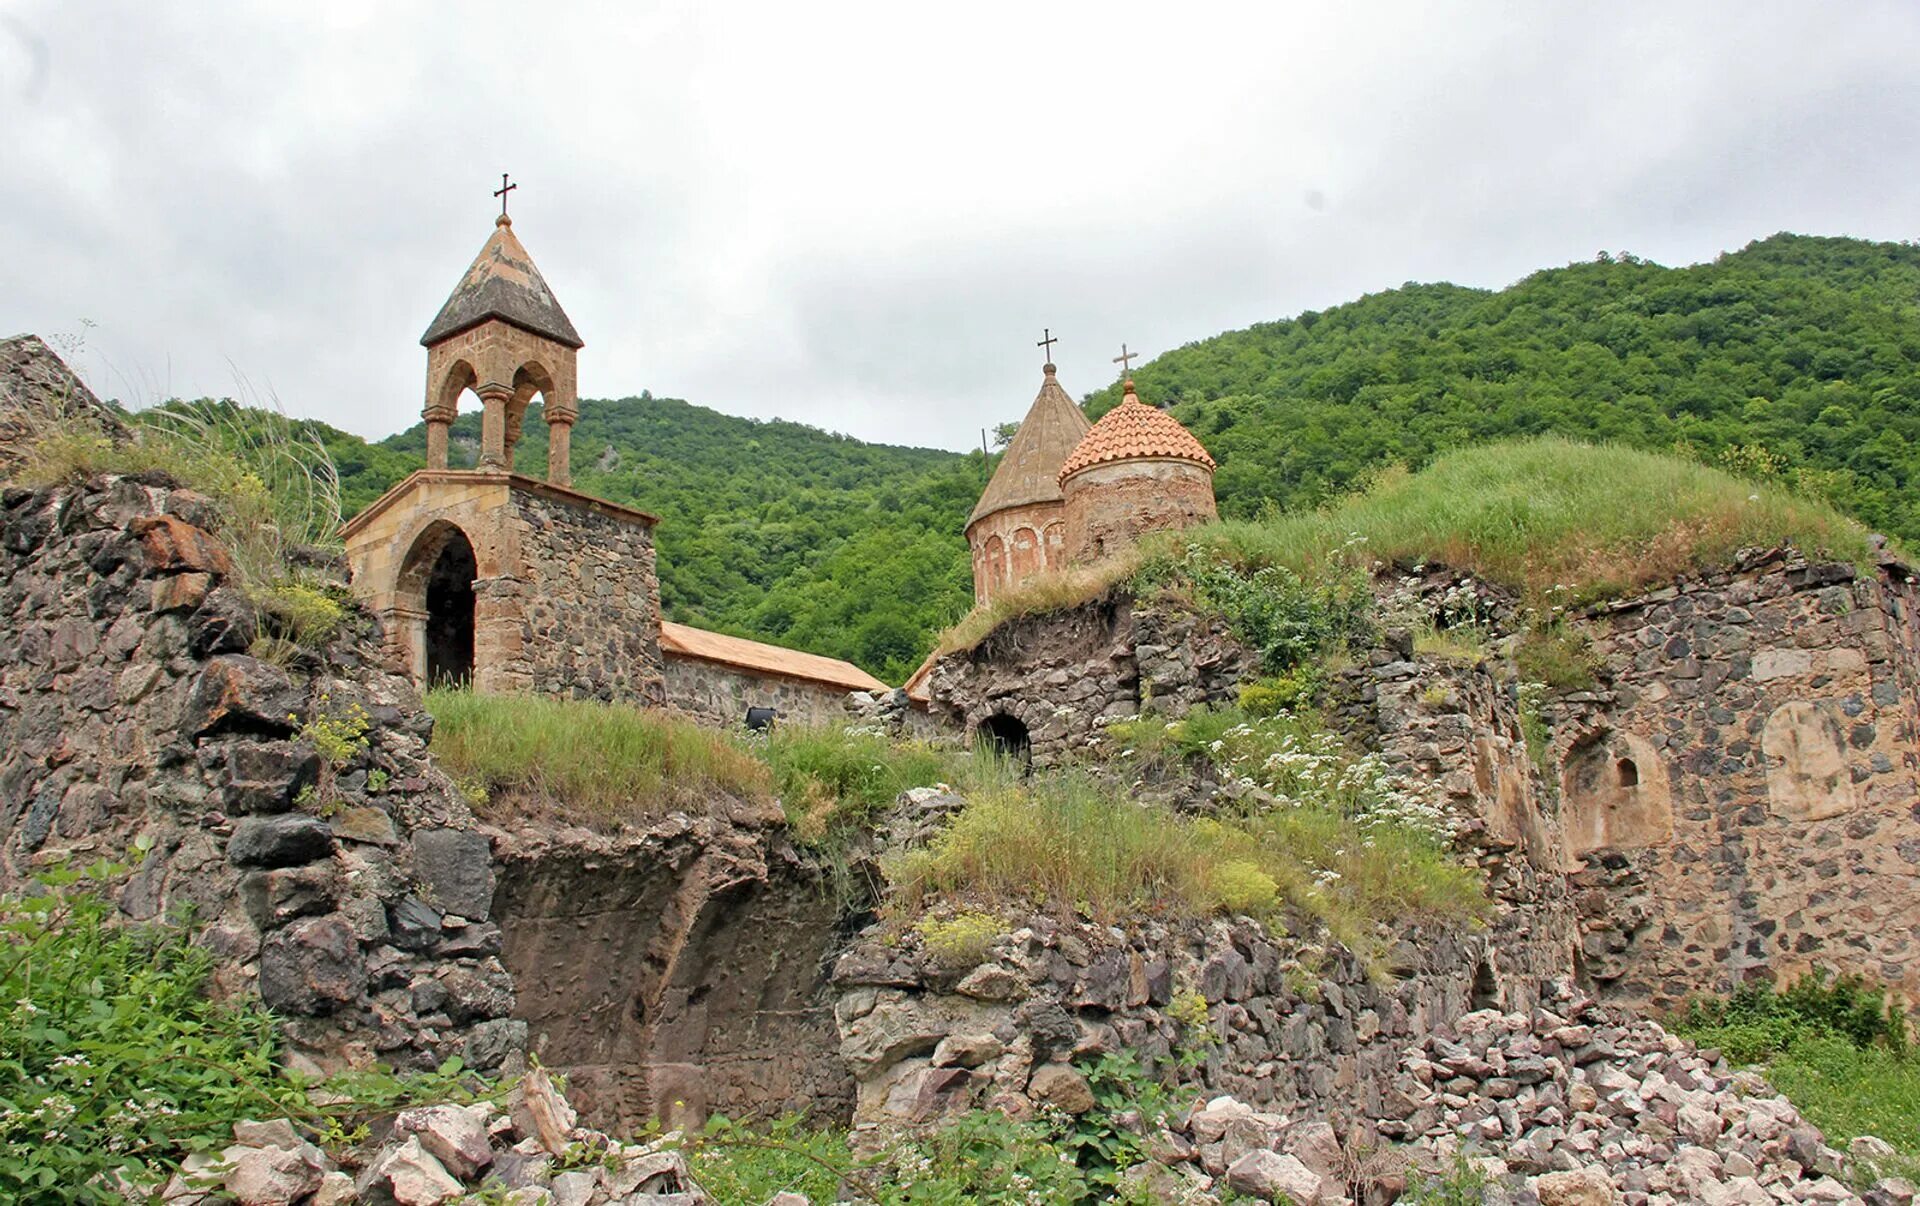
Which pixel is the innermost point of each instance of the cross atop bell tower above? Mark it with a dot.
(502, 335)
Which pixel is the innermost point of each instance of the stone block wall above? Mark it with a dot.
(1064, 674)
(355, 899)
(1287, 1025)
(1013, 544)
(590, 595)
(566, 593)
(718, 694)
(1109, 507)
(1740, 796)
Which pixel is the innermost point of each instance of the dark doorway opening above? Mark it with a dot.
(1627, 772)
(1486, 987)
(450, 615)
(1006, 737)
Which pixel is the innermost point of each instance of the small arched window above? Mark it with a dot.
(1626, 773)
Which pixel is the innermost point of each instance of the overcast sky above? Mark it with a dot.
(862, 216)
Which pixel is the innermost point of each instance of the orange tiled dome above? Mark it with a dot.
(1133, 431)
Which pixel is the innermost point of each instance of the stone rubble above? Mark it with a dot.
(529, 1153)
(1582, 1106)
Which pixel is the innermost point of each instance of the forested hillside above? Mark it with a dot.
(1796, 355)
(772, 530)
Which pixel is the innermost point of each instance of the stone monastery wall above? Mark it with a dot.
(1742, 796)
(719, 695)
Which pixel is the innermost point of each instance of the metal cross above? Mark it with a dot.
(502, 192)
(1124, 359)
(1047, 343)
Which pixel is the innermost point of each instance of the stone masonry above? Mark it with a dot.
(354, 898)
(565, 593)
(1739, 797)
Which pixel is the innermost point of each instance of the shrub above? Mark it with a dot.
(116, 1064)
(833, 780)
(1554, 656)
(1279, 614)
(305, 614)
(1276, 693)
(961, 941)
(1757, 1020)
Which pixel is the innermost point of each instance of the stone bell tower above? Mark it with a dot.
(493, 579)
(503, 335)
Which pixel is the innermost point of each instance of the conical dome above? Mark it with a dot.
(1030, 470)
(502, 283)
(1135, 431)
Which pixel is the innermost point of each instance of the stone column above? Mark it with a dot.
(439, 419)
(559, 447)
(493, 425)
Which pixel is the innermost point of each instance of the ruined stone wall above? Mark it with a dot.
(719, 695)
(135, 726)
(1065, 674)
(1110, 506)
(1739, 796)
(590, 596)
(1288, 1025)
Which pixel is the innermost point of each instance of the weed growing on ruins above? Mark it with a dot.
(1288, 619)
(1463, 1184)
(833, 781)
(960, 941)
(592, 763)
(1759, 1020)
(1554, 656)
(116, 1063)
(1560, 523)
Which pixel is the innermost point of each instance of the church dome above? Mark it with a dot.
(1134, 431)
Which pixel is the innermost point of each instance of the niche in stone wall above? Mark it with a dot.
(1807, 775)
(1616, 795)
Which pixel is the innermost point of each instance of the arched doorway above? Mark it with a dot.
(1006, 737)
(435, 604)
(450, 615)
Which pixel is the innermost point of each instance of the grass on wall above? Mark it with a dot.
(592, 763)
(1560, 522)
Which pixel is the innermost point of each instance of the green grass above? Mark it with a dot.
(591, 763)
(1069, 841)
(837, 778)
(1849, 1091)
(1554, 519)
(1561, 523)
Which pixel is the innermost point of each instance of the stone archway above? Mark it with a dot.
(1006, 736)
(1615, 794)
(435, 600)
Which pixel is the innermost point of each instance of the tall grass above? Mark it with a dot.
(592, 763)
(1549, 516)
(836, 778)
(1558, 521)
(1068, 841)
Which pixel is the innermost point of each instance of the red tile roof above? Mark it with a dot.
(683, 641)
(1133, 431)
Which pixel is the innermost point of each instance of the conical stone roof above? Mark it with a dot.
(502, 283)
(1030, 470)
(1135, 431)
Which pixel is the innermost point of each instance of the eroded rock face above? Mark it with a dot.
(676, 971)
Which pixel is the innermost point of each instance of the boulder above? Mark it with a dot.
(454, 1135)
(1062, 1087)
(1273, 1177)
(455, 870)
(1575, 1187)
(312, 966)
(413, 1176)
(287, 840)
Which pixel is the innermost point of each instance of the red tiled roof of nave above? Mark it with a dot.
(1133, 431)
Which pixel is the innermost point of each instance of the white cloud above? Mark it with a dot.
(860, 215)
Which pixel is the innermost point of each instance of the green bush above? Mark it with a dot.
(1288, 619)
(1757, 1020)
(834, 779)
(115, 1064)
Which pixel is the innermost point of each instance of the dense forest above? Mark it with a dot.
(1795, 356)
